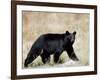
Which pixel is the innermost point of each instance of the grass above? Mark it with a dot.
(38, 61)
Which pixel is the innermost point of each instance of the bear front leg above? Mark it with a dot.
(56, 57)
(74, 57)
(71, 53)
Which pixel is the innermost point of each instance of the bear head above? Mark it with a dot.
(69, 37)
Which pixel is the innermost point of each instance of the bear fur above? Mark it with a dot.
(52, 44)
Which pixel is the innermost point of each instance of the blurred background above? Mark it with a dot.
(38, 23)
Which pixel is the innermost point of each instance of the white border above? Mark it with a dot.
(21, 71)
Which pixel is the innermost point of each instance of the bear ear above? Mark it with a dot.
(74, 32)
(67, 33)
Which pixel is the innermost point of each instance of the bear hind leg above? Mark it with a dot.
(28, 60)
(45, 57)
(31, 57)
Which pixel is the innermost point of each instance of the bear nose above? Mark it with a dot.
(74, 33)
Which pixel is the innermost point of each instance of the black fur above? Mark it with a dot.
(49, 44)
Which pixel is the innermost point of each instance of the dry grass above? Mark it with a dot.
(37, 23)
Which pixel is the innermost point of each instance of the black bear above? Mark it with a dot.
(49, 44)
